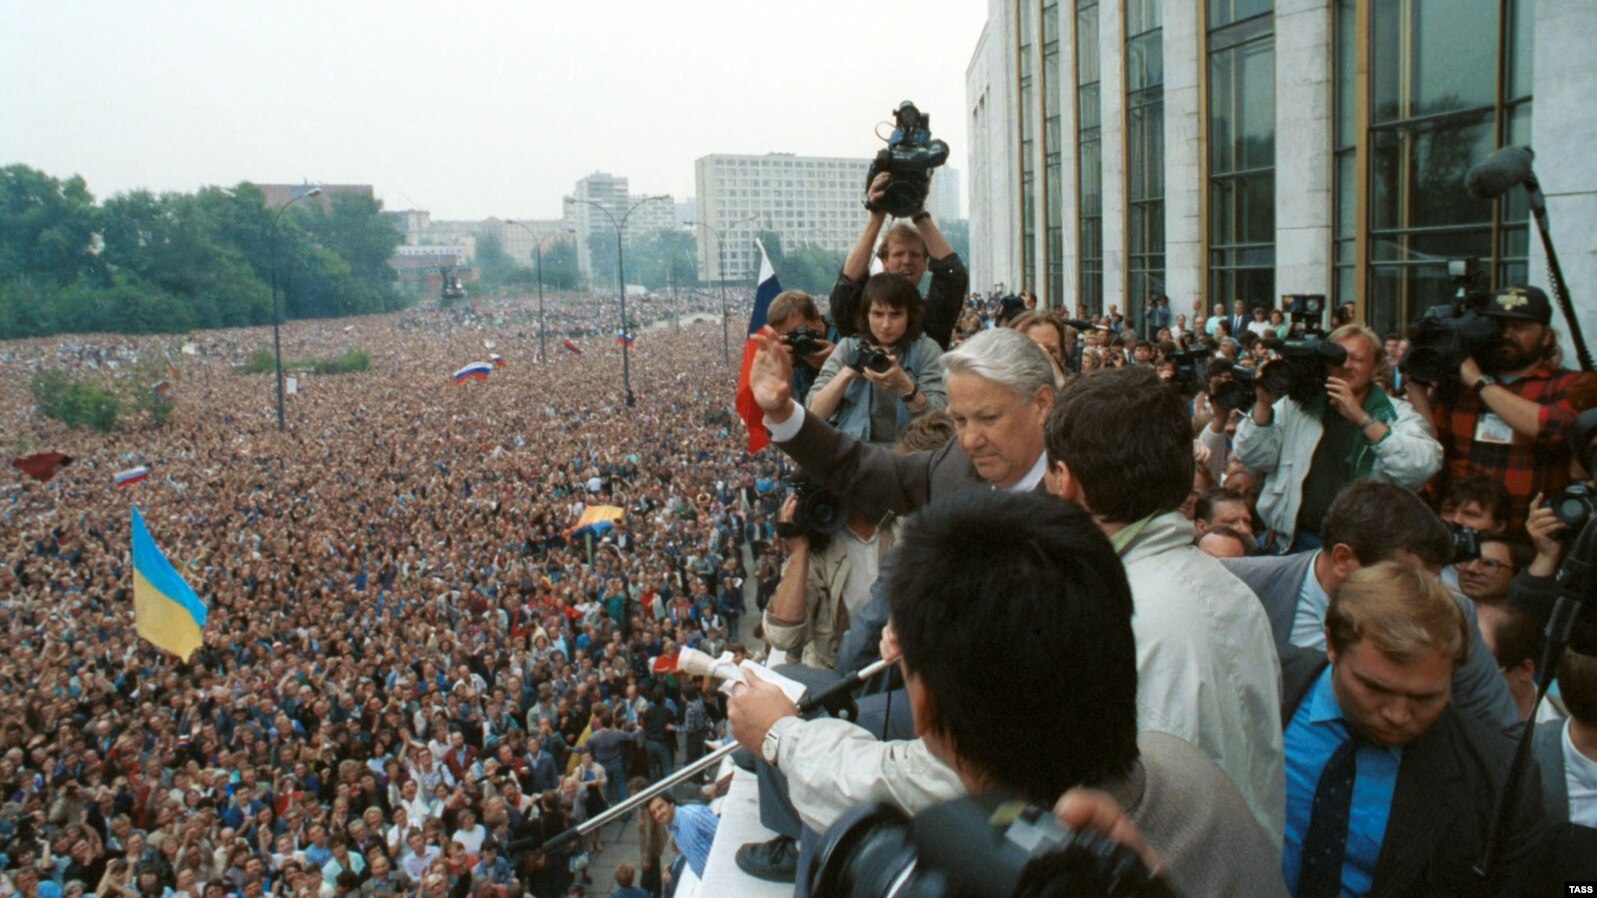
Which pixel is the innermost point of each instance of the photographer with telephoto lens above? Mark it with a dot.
(1311, 443)
(1503, 415)
(875, 381)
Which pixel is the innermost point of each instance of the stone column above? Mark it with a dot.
(1303, 138)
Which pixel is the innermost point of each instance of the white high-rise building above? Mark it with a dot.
(805, 199)
(611, 192)
(943, 200)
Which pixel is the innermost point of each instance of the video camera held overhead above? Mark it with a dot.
(910, 155)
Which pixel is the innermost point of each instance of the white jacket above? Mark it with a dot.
(1207, 669)
(1284, 449)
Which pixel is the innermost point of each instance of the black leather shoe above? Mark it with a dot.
(773, 861)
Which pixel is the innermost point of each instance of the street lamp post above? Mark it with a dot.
(537, 247)
(621, 288)
(277, 339)
(720, 269)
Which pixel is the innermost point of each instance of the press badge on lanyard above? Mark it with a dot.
(1492, 429)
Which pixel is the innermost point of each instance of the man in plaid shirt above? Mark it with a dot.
(1508, 416)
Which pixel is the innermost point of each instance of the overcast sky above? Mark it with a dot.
(466, 109)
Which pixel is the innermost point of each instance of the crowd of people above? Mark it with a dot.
(1274, 605)
(413, 673)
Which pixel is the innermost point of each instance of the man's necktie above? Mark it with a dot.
(1325, 844)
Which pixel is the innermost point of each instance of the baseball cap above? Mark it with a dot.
(1527, 303)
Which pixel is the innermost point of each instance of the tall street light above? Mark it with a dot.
(277, 339)
(537, 247)
(621, 287)
(720, 270)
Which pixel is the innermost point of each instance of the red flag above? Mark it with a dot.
(573, 346)
(42, 466)
(749, 410)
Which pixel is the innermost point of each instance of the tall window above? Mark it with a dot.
(1435, 106)
(1053, 155)
(1144, 155)
(1089, 158)
(1241, 152)
(1028, 167)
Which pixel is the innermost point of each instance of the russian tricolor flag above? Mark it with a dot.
(748, 409)
(497, 359)
(625, 339)
(473, 371)
(130, 476)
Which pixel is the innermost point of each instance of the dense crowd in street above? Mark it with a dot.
(412, 675)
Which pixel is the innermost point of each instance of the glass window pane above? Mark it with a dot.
(1346, 193)
(1521, 61)
(1426, 56)
(1447, 66)
(1088, 112)
(1224, 12)
(1087, 45)
(1346, 74)
(1439, 159)
(1257, 148)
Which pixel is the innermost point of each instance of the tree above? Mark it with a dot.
(46, 226)
(495, 267)
(650, 258)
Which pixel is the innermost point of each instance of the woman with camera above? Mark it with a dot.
(876, 381)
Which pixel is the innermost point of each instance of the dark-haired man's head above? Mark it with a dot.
(1477, 502)
(1373, 521)
(1056, 610)
(1221, 507)
(1120, 443)
(1515, 639)
(1485, 578)
(1223, 542)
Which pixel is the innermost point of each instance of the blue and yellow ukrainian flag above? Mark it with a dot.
(166, 611)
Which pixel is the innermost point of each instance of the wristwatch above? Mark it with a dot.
(1486, 381)
(769, 745)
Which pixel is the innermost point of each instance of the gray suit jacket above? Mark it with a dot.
(1478, 689)
(876, 479)
(1547, 747)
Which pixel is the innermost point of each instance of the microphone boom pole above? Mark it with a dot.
(810, 703)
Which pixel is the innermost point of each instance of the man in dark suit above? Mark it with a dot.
(1000, 388)
(1390, 789)
(1372, 521)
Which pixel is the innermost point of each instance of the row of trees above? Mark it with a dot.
(142, 262)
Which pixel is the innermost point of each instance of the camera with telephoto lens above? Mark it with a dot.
(1466, 543)
(1448, 334)
(805, 341)
(1575, 503)
(872, 358)
(821, 512)
(973, 847)
(910, 156)
(1192, 370)
(1298, 373)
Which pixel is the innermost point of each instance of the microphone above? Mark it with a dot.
(1501, 172)
(698, 664)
